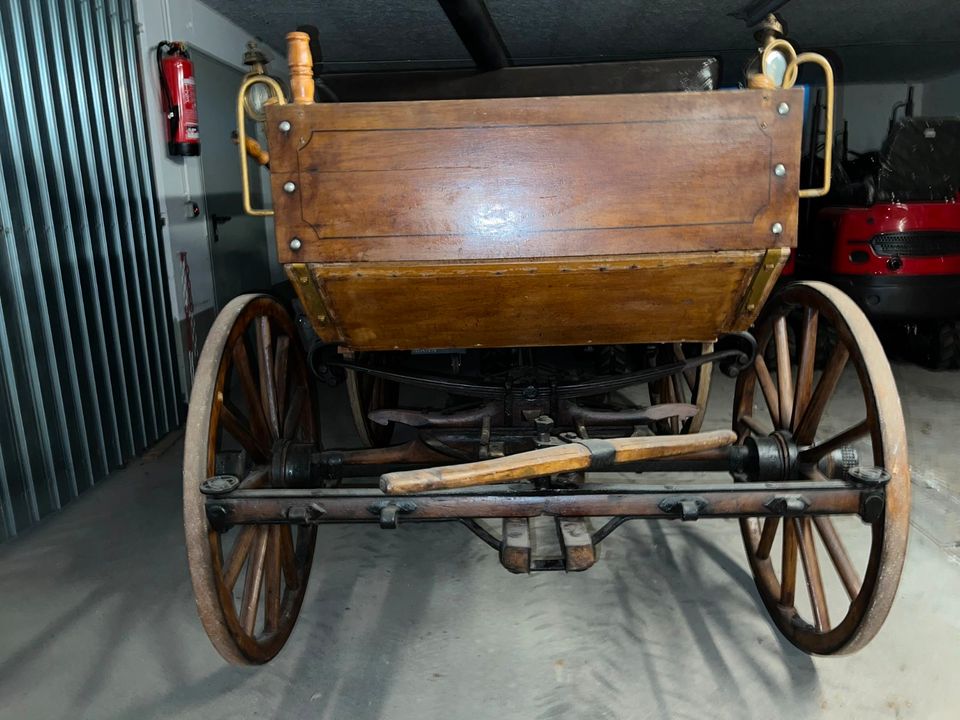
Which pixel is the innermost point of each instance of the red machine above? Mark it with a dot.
(889, 236)
(179, 97)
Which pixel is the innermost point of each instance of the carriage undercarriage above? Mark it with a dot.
(544, 496)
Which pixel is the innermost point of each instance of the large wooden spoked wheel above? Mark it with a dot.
(252, 388)
(690, 386)
(850, 569)
(368, 393)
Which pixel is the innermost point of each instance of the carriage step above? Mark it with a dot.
(543, 543)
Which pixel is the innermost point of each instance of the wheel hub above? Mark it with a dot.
(775, 458)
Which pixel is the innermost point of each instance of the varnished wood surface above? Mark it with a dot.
(535, 177)
(534, 221)
(547, 461)
(642, 298)
(300, 62)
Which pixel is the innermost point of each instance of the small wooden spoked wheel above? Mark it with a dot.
(252, 389)
(690, 386)
(368, 393)
(851, 569)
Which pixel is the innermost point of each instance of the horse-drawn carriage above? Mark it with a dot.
(525, 265)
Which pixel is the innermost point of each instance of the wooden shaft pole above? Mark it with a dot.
(547, 461)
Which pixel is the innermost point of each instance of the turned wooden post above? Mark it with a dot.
(300, 61)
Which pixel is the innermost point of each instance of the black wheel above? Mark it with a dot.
(936, 345)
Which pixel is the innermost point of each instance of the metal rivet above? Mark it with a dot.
(776, 228)
(779, 170)
(289, 187)
(296, 244)
(783, 108)
(284, 126)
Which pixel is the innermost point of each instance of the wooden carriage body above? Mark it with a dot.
(647, 224)
(536, 221)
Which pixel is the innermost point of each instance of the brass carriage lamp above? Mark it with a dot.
(258, 95)
(776, 66)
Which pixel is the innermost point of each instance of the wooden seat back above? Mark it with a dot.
(536, 221)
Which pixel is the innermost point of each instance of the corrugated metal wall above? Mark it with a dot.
(87, 374)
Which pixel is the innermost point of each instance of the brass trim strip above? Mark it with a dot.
(313, 303)
(767, 273)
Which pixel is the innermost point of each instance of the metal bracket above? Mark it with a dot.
(307, 289)
(874, 481)
(217, 517)
(603, 453)
(872, 505)
(744, 345)
(867, 476)
(770, 264)
(389, 512)
(306, 514)
(787, 505)
(219, 485)
(687, 509)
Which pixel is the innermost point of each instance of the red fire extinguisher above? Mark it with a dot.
(179, 96)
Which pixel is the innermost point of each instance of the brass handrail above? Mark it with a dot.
(242, 137)
(761, 80)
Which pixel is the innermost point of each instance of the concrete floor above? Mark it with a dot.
(97, 619)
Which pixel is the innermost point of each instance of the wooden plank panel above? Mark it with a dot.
(535, 177)
(645, 298)
(504, 184)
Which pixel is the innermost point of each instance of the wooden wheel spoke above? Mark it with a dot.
(805, 365)
(238, 556)
(678, 388)
(678, 394)
(294, 411)
(838, 554)
(808, 424)
(768, 388)
(280, 370)
(254, 581)
(788, 566)
(256, 478)
(851, 434)
(241, 362)
(288, 557)
(754, 425)
(268, 388)
(784, 372)
(669, 393)
(375, 396)
(811, 570)
(235, 426)
(767, 535)
(271, 580)
(689, 376)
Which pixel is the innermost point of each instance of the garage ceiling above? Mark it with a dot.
(874, 40)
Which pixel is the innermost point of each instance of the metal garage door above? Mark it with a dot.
(86, 372)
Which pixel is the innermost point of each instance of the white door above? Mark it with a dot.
(238, 243)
